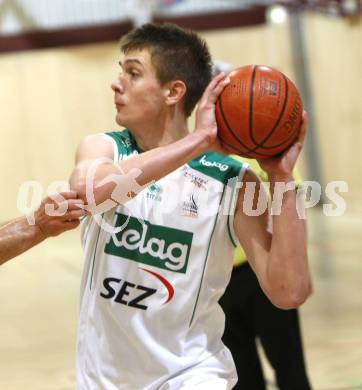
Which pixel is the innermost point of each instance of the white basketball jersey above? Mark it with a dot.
(150, 317)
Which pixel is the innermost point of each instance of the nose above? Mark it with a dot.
(117, 85)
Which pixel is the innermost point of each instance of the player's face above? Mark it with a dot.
(139, 97)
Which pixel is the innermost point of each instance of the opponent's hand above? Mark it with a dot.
(69, 210)
(281, 167)
(205, 114)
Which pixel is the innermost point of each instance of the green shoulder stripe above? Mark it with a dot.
(126, 144)
(217, 166)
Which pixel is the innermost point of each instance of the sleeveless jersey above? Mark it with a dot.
(149, 316)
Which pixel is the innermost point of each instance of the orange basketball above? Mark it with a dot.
(259, 112)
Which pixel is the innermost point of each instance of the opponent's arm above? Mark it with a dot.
(18, 235)
(278, 259)
(151, 165)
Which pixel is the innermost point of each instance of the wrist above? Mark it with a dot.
(280, 177)
(36, 232)
(201, 140)
(31, 231)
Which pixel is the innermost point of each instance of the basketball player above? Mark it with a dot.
(157, 259)
(17, 236)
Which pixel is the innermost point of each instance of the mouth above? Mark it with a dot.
(118, 105)
(118, 102)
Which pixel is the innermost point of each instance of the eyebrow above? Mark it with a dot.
(131, 60)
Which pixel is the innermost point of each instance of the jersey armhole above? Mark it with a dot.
(235, 187)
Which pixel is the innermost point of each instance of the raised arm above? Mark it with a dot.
(279, 259)
(151, 165)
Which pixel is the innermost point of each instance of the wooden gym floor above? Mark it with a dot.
(39, 309)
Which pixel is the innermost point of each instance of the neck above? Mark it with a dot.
(163, 131)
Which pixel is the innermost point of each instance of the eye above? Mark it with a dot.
(133, 74)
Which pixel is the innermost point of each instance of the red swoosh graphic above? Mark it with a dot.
(165, 282)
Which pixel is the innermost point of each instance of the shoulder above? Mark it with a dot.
(253, 166)
(123, 137)
(108, 144)
(124, 143)
(251, 176)
(93, 146)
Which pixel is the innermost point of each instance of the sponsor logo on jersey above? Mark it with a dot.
(196, 180)
(133, 294)
(127, 143)
(126, 293)
(165, 282)
(154, 192)
(146, 243)
(189, 208)
(207, 163)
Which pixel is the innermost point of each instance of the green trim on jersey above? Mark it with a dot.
(206, 257)
(231, 230)
(94, 256)
(126, 144)
(216, 165)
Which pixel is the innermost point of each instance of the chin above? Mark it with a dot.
(120, 121)
(128, 122)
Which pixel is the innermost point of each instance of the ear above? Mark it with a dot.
(174, 92)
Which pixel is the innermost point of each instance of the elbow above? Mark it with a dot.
(291, 302)
(292, 298)
(79, 186)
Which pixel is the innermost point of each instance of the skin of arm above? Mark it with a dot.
(280, 259)
(151, 165)
(18, 235)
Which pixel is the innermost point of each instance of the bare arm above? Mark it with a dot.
(279, 259)
(151, 165)
(18, 235)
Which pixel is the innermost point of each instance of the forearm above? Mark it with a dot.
(159, 162)
(150, 165)
(287, 268)
(16, 237)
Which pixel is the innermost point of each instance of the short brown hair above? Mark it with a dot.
(177, 54)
